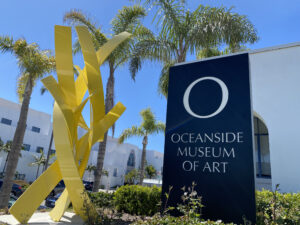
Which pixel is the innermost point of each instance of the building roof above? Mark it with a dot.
(272, 48)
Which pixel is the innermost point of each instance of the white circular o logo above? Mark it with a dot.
(222, 105)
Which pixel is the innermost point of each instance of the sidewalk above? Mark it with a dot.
(44, 219)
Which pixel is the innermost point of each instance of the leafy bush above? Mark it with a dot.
(137, 200)
(276, 208)
(190, 209)
(102, 199)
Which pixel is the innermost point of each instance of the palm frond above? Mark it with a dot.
(43, 90)
(77, 17)
(6, 44)
(148, 123)
(163, 83)
(159, 127)
(150, 49)
(130, 132)
(127, 19)
(208, 52)
(212, 25)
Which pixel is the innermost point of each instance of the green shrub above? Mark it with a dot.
(190, 208)
(102, 199)
(137, 200)
(277, 208)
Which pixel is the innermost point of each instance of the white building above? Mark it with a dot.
(119, 158)
(276, 100)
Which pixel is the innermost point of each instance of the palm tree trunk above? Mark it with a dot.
(5, 162)
(109, 102)
(48, 153)
(143, 160)
(16, 147)
(37, 172)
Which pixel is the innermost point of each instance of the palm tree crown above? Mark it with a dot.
(148, 126)
(33, 62)
(182, 31)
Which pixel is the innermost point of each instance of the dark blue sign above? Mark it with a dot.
(209, 137)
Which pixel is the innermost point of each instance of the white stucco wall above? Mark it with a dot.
(117, 156)
(275, 75)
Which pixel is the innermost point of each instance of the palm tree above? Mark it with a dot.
(34, 64)
(127, 19)
(90, 168)
(148, 126)
(38, 161)
(184, 32)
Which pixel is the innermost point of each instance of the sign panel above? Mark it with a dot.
(209, 137)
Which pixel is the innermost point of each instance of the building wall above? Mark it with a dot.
(276, 98)
(116, 157)
(10, 110)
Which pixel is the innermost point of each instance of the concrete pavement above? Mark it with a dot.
(44, 219)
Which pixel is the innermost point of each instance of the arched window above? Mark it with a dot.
(131, 159)
(262, 150)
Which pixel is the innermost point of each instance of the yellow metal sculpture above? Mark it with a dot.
(72, 152)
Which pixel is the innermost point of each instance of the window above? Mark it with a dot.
(39, 149)
(36, 129)
(6, 121)
(262, 151)
(115, 172)
(131, 159)
(26, 147)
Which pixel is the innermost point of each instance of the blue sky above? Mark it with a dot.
(277, 22)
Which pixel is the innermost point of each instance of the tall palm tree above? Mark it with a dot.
(34, 64)
(184, 32)
(39, 160)
(148, 126)
(127, 19)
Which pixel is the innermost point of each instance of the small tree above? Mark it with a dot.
(90, 168)
(150, 171)
(5, 148)
(148, 126)
(132, 176)
(38, 161)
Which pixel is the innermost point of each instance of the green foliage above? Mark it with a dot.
(182, 32)
(91, 219)
(102, 199)
(190, 209)
(131, 177)
(137, 200)
(33, 62)
(275, 208)
(150, 171)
